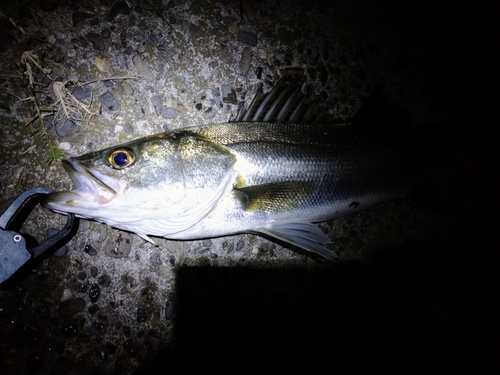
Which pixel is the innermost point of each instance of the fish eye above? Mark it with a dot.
(121, 158)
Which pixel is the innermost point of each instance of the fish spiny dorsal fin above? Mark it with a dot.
(284, 103)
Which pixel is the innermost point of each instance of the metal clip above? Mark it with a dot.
(14, 253)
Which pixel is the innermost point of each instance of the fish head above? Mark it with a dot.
(173, 177)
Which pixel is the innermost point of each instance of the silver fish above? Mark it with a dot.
(271, 171)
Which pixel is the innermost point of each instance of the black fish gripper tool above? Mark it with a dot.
(15, 249)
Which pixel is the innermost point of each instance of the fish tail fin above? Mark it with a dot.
(301, 234)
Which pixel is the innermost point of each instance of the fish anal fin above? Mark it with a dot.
(301, 234)
(275, 197)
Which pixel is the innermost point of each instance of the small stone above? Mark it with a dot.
(59, 55)
(169, 113)
(89, 249)
(51, 39)
(61, 251)
(233, 28)
(106, 33)
(97, 41)
(103, 233)
(143, 69)
(258, 72)
(102, 63)
(66, 295)
(240, 245)
(141, 25)
(225, 57)
(141, 315)
(94, 293)
(131, 20)
(93, 309)
(71, 307)
(169, 310)
(123, 35)
(158, 104)
(81, 288)
(65, 129)
(119, 245)
(247, 37)
(78, 17)
(104, 281)
(152, 37)
(228, 94)
(192, 29)
(83, 68)
(155, 259)
(82, 93)
(246, 58)
(127, 89)
(93, 271)
(129, 128)
(64, 146)
(82, 275)
(109, 102)
(95, 328)
(102, 353)
(120, 7)
(198, 106)
(262, 53)
(127, 279)
(207, 243)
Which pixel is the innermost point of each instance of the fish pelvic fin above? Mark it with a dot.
(301, 234)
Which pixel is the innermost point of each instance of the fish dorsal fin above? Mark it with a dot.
(275, 197)
(284, 103)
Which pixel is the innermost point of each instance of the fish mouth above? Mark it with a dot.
(93, 188)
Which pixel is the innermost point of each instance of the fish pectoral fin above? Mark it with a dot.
(275, 197)
(302, 234)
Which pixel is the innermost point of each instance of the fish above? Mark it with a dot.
(276, 170)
